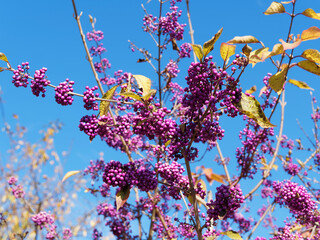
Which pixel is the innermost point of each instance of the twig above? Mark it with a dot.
(191, 29)
(223, 163)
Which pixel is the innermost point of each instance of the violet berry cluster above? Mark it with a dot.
(228, 200)
(46, 220)
(298, 200)
(121, 175)
(89, 98)
(21, 76)
(39, 82)
(62, 94)
(16, 189)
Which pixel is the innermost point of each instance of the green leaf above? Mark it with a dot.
(244, 39)
(209, 45)
(300, 84)
(310, 67)
(104, 105)
(246, 50)
(131, 95)
(70, 174)
(227, 50)
(144, 83)
(312, 55)
(251, 107)
(232, 234)
(277, 80)
(309, 12)
(198, 51)
(310, 34)
(274, 8)
(152, 92)
(122, 196)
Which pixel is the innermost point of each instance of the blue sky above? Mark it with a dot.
(46, 34)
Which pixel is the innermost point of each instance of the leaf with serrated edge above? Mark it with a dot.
(310, 34)
(70, 174)
(310, 67)
(122, 196)
(209, 45)
(104, 105)
(144, 83)
(251, 107)
(227, 50)
(312, 55)
(277, 80)
(131, 95)
(246, 50)
(309, 12)
(244, 39)
(274, 8)
(232, 234)
(198, 51)
(300, 84)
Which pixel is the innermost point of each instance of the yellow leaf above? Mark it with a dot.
(251, 107)
(209, 45)
(131, 95)
(152, 92)
(277, 80)
(246, 50)
(144, 83)
(227, 50)
(274, 8)
(290, 45)
(70, 174)
(252, 90)
(232, 234)
(244, 39)
(198, 51)
(3, 57)
(104, 105)
(257, 55)
(309, 12)
(300, 84)
(312, 55)
(310, 34)
(310, 67)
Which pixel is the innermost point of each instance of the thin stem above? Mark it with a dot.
(193, 195)
(191, 32)
(267, 172)
(77, 17)
(260, 220)
(223, 163)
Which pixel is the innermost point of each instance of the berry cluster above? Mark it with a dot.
(89, 98)
(185, 50)
(17, 190)
(95, 36)
(172, 69)
(62, 95)
(228, 200)
(39, 82)
(102, 65)
(298, 200)
(170, 25)
(20, 76)
(118, 175)
(89, 124)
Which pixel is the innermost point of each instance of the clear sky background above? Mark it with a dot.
(45, 34)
